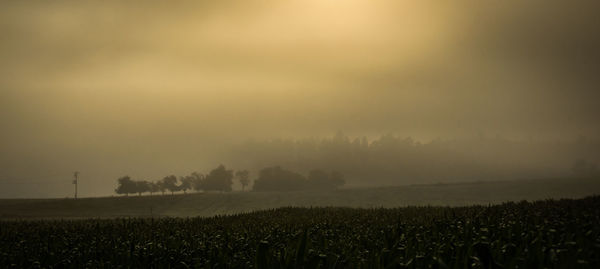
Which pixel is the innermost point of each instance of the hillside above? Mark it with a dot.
(210, 204)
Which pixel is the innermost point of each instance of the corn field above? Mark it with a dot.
(542, 234)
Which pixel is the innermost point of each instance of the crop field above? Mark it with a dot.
(542, 234)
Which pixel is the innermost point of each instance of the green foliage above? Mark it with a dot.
(543, 234)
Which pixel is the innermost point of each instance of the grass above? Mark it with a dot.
(211, 204)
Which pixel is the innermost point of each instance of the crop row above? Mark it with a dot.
(550, 234)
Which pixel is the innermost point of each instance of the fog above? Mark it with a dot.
(148, 89)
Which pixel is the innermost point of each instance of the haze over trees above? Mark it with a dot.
(244, 178)
(279, 179)
(221, 179)
(389, 159)
(392, 159)
(521, 73)
(584, 168)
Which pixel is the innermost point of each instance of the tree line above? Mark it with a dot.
(279, 179)
(392, 159)
(221, 179)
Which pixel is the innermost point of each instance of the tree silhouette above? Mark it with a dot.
(186, 183)
(170, 183)
(197, 181)
(126, 186)
(244, 177)
(161, 186)
(278, 179)
(153, 187)
(219, 179)
(141, 187)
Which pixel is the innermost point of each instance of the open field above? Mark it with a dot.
(541, 234)
(211, 204)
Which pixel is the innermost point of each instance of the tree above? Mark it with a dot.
(170, 183)
(278, 179)
(197, 180)
(244, 177)
(186, 183)
(142, 186)
(219, 179)
(161, 186)
(153, 187)
(125, 186)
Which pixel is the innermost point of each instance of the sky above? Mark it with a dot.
(154, 87)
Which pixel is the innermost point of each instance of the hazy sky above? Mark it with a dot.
(150, 87)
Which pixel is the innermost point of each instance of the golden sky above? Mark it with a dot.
(97, 79)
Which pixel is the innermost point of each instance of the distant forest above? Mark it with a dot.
(329, 163)
(395, 160)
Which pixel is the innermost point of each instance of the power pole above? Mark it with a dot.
(76, 174)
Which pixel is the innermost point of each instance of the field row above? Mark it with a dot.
(551, 234)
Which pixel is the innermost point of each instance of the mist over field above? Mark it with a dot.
(388, 93)
(299, 134)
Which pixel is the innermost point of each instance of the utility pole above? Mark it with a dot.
(76, 175)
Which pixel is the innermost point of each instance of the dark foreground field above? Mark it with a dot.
(542, 234)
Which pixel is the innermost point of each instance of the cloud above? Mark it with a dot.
(146, 76)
